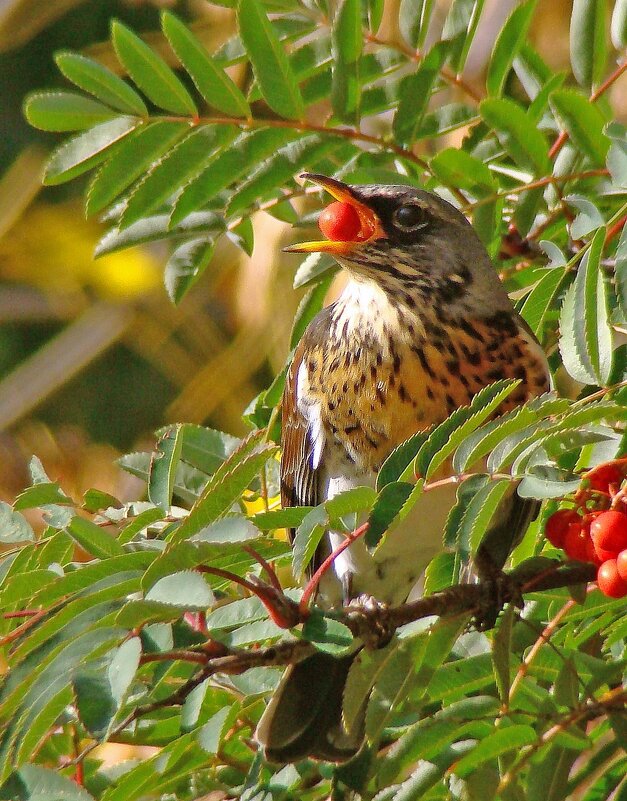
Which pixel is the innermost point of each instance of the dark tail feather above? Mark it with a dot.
(304, 717)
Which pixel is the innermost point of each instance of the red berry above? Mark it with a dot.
(591, 554)
(557, 526)
(609, 532)
(609, 581)
(340, 222)
(621, 564)
(601, 478)
(576, 543)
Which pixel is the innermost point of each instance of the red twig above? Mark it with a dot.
(615, 229)
(317, 576)
(267, 567)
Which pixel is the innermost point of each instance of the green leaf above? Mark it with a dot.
(122, 668)
(186, 265)
(544, 481)
(211, 81)
(86, 150)
(132, 159)
(457, 168)
(226, 486)
(389, 503)
(459, 25)
(41, 494)
(64, 111)
(211, 734)
(413, 21)
(184, 162)
(584, 123)
(541, 300)
(586, 337)
(307, 538)
(40, 784)
(620, 273)
(92, 77)
(95, 705)
(279, 169)
(312, 268)
(618, 27)
(328, 634)
(163, 468)
(505, 739)
(617, 154)
(479, 513)
(346, 47)
(508, 44)
(446, 437)
(93, 539)
(588, 219)
(14, 527)
(204, 448)
(270, 64)
(186, 589)
(150, 72)
(400, 459)
(517, 133)
(248, 150)
(415, 93)
(588, 43)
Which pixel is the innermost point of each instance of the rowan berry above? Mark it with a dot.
(609, 532)
(621, 564)
(557, 526)
(340, 222)
(609, 580)
(576, 543)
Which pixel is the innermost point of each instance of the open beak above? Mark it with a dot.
(370, 224)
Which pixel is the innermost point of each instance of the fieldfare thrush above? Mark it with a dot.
(422, 325)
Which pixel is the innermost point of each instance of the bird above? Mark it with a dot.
(422, 325)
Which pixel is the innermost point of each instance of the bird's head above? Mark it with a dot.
(409, 240)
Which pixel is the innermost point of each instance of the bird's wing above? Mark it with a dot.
(299, 476)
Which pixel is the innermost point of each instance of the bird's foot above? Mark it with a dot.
(499, 590)
(372, 618)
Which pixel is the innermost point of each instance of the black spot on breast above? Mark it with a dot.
(423, 361)
(402, 393)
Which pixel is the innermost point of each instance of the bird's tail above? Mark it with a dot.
(304, 716)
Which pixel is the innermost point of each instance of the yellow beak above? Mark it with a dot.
(370, 224)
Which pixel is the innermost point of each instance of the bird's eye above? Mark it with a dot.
(409, 217)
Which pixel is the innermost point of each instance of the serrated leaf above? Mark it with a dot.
(269, 61)
(280, 168)
(132, 159)
(620, 273)
(40, 783)
(588, 219)
(501, 648)
(312, 268)
(122, 668)
(588, 45)
(93, 77)
(307, 538)
(186, 265)
(157, 227)
(64, 111)
(163, 468)
(13, 526)
(346, 47)
(413, 21)
(541, 300)
(225, 486)
(211, 734)
(328, 634)
(395, 466)
(586, 338)
(150, 72)
(446, 437)
(415, 93)
(95, 705)
(93, 539)
(86, 150)
(238, 161)
(457, 168)
(505, 739)
(544, 481)
(479, 513)
(480, 442)
(41, 494)
(526, 145)
(506, 48)
(387, 506)
(182, 163)
(618, 26)
(584, 123)
(211, 81)
(185, 589)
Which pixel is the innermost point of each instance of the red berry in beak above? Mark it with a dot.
(340, 222)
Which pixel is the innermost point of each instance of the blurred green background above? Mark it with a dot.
(93, 356)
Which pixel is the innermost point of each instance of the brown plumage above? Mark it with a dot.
(423, 324)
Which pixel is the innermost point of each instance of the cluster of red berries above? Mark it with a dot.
(595, 530)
